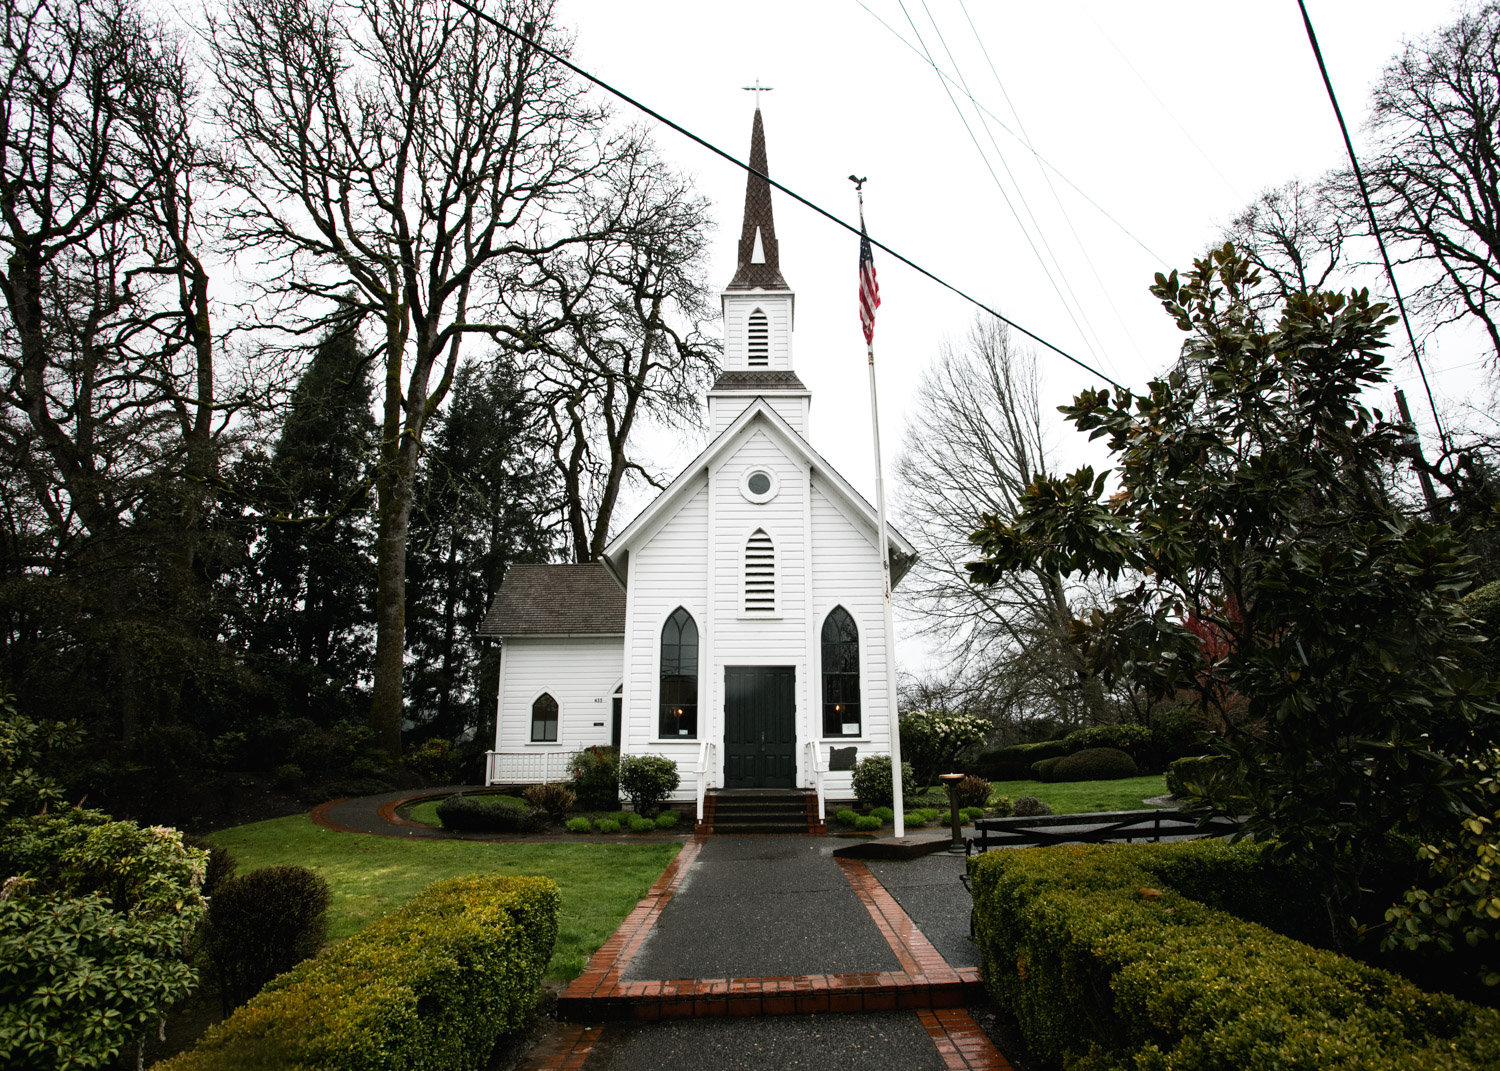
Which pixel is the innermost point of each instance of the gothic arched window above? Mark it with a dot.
(544, 719)
(840, 674)
(679, 677)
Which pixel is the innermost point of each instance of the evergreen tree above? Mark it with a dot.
(478, 500)
(308, 583)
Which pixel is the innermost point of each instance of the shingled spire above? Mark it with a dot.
(759, 261)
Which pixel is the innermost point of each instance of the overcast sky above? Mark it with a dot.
(1170, 117)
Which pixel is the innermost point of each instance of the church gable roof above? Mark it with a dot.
(556, 600)
(757, 415)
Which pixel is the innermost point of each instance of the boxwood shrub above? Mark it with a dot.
(641, 824)
(846, 816)
(668, 820)
(1106, 963)
(608, 825)
(579, 825)
(1042, 770)
(434, 984)
(867, 823)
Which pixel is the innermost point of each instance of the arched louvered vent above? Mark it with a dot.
(760, 574)
(760, 340)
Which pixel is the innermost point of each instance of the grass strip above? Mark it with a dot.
(1086, 797)
(372, 876)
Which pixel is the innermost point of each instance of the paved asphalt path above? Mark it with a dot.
(763, 907)
(928, 890)
(870, 1041)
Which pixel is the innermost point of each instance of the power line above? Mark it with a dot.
(984, 157)
(1364, 192)
(793, 194)
(1042, 160)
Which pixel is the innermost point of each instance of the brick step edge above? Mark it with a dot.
(705, 1000)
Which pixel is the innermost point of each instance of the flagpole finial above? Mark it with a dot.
(859, 187)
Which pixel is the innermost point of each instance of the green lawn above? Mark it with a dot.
(371, 876)
(1086, 797)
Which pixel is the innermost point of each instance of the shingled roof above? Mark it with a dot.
(554, 600)
(752, 274)
(759, 379)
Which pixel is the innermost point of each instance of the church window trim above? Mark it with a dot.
(841, 667)
(678, 679)
(546, 717)
(760, 575)
(761, 478)
(758, 340)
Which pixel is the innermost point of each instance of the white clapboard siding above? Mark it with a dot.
(581, 673)
(724, 408)
(846, 572)
(669, 569)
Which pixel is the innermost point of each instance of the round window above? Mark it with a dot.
(758, 485)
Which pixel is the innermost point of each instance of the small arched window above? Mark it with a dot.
(544, 719)
(760, 340)
(679, 677)
(840, 674)
(760, 574)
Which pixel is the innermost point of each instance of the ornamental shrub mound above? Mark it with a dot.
(1042, 771)
(647, 780)
(1030, 807)
(972, 791)
(872, 781)
(556, 799)
(261, 924)
(934, 741)
(94, 923)
(432, 985)
(596, 778)
(1095, 764)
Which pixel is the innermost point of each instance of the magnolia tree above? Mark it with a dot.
(933, 740)
(1251, 495)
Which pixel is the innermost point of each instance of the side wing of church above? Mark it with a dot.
(736, 625)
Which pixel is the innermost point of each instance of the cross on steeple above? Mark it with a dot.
(757, 89)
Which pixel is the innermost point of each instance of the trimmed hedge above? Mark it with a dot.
(1172, 734)
(434, 984)
(1107, 963)
(1042, 771)
(1095, 764)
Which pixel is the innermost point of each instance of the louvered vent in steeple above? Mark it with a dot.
(760, 574)
(760, 340)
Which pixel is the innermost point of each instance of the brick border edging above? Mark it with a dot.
(565, 1048)
(961, 1042)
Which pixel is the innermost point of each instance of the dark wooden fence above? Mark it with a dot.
(1128, 826)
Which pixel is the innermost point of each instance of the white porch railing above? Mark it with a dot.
(705, 768)
(818, 768)
(525, 767)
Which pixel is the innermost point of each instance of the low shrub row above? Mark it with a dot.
(613, 823)
(490, 814)
(1128, 956)
(435, 984)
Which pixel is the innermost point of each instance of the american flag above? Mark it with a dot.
(869, 289)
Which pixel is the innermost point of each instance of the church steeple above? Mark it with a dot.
(760, 258)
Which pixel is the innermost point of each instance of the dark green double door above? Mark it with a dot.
(760, 727)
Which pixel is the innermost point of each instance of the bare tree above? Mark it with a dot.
(974, 443)
(402, 156)
(619, 330)
(1435, 170)
(1295, 236)
(108, 345)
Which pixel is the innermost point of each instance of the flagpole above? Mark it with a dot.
(898, 794)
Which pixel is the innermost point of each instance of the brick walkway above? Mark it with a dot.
(926, 986)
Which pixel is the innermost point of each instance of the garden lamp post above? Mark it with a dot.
(952, 780)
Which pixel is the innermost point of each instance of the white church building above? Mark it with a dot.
(736, 625)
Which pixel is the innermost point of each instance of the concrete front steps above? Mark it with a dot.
(761, 810)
